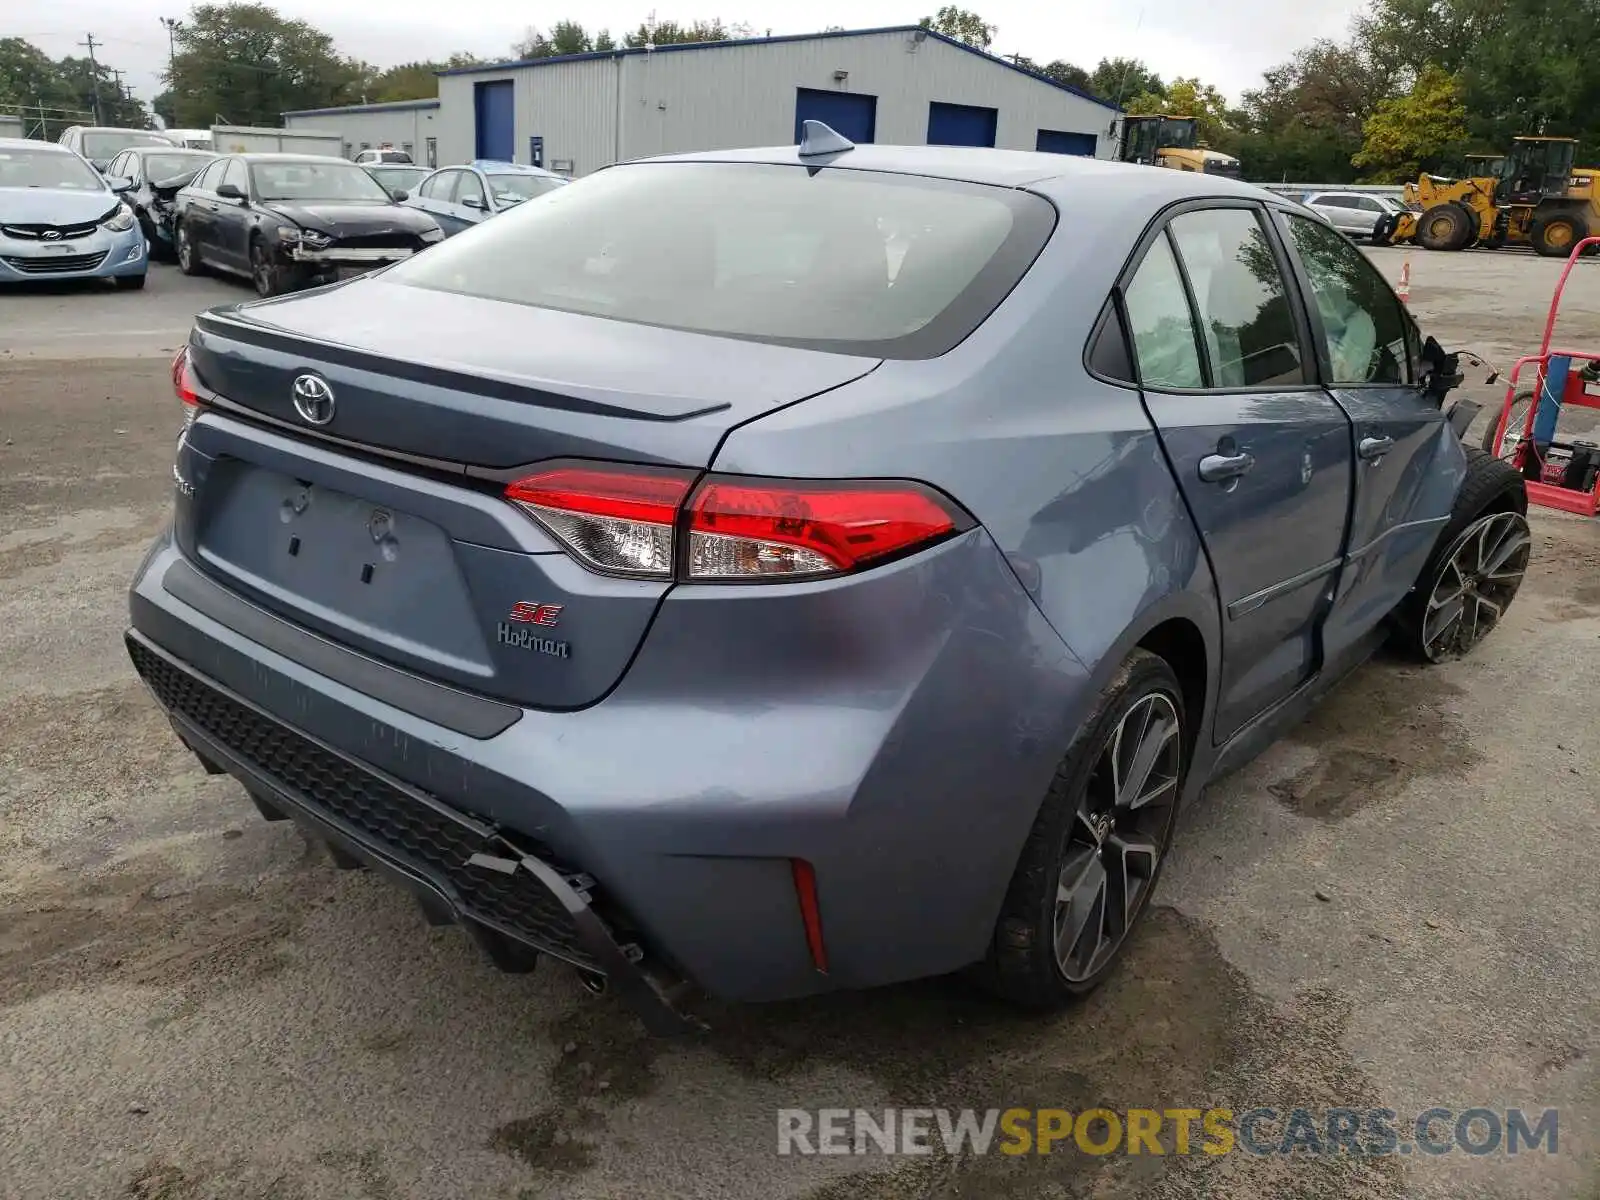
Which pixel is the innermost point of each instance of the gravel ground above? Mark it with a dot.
(1393, 907)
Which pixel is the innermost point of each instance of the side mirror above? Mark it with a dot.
(119, 183)
(230, 191)
(400, 195)
(1441, 372)
(476, 202)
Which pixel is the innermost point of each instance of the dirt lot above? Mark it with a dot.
(1394, 908)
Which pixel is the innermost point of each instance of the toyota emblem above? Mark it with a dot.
(313, 399)
(51, 235)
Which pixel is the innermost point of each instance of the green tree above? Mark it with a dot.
(1420, 130)
(670, 33)
(1191, 98)
(68, 90)
(1117, 79)
(565, 37)
(962, 25)
(1307, 120)
(604, 41)
(1524, 66)
(246, 64)
(1056, 71)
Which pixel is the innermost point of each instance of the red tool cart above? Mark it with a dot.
(1560, 474)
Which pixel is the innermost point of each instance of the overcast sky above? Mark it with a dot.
(1228, 44)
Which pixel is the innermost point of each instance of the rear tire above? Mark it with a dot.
(1476, 567)
(1093, 852)
(1445, 227)
(1555, 235)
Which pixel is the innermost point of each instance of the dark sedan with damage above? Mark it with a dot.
(156, 176)
(290, 220)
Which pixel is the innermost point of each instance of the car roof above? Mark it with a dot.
(8, 143)
(497, 167)
(275, 156)
(1110, 184)
(174, 149)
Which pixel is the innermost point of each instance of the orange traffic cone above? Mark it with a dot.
(1403, 290)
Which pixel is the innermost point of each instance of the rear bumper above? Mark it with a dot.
(902, 752)
(221, 728)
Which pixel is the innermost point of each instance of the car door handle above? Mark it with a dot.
(1374, 448)
(1219, 468)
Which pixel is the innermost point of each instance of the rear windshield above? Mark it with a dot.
(170, 166)
(104, 145)
(853, 261)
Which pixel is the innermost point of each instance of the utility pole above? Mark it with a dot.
(94, 75)
(171, 24)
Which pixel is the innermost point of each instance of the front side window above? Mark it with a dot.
(208, 179)
(471, 189)
(859, 262)
(1361, 318)
(238, 176)
(1243, 304)
(1160, 322)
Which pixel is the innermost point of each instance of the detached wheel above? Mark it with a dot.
(1514, 424)
(1477, 568)
(1095, 852)
(1445, 227)
(1555, 235)
(188, 257)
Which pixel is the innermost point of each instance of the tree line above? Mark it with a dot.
(1417, 84)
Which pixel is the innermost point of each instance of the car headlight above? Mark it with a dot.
(120, 221)
(432, 235)
(315, 240)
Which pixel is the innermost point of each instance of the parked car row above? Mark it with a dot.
(283, 221)
(62, 219)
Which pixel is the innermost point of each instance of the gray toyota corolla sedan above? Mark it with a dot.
(808, 568)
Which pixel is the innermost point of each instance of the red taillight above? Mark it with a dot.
(187, 385)
(629, 521)
(613, 518)
(755, 529)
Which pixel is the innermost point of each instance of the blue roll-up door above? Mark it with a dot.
(853, 114)
(961, 125)
(496, 116)
(1059, 141)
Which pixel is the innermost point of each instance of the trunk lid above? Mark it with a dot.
(384, 529)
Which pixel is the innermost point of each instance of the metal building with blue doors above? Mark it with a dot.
(902, 85)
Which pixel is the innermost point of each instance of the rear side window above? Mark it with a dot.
(852, 261)
(1365, 329)
(1161, 327)
(1243, 304)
